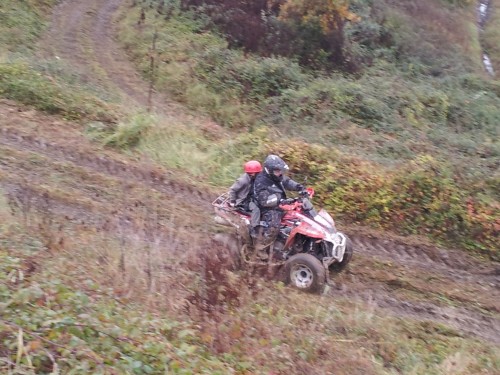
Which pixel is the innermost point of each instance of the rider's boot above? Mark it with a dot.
(260, 247)
(261, 252)
(264, 241)
(254, 233)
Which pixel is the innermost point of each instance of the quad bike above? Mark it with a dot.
(308, 245)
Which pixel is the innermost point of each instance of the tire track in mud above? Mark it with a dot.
(451, 263)
(461, 319)
(82, 34)
(98, 162)
(45, 158)
(66, 196)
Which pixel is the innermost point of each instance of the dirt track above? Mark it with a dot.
(393, 274)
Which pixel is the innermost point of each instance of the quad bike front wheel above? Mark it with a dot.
(305, 272)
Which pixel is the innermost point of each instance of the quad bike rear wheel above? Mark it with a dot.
(305, 272)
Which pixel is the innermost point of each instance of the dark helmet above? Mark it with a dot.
(274, 163)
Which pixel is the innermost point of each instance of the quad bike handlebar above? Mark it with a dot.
(223, 202)
(294, 203)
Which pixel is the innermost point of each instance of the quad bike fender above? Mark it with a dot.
(306, 228)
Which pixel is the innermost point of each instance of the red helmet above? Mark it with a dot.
(252, 166)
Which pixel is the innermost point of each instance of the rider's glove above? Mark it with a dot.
(287, 201)
(304, 193)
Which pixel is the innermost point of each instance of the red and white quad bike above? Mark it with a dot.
(308, 245)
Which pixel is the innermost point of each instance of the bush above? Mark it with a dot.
(251, 79)
(422, 198)
(129, 134)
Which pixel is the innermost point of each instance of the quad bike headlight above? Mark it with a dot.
(337, 239)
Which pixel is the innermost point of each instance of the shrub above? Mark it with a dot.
(129, 134)
(250, 79)
(422, 198)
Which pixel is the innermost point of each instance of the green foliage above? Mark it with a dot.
(491, 35)
(422, 198)
(53, 327)
(21, 82)
(21, 23)
(427, 35)
(404, 105)
(128, 134)
(252, 79)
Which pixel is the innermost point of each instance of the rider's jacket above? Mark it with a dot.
(241, 190)
(265, 186)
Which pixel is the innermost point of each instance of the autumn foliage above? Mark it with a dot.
(422, 198)
(312, 31)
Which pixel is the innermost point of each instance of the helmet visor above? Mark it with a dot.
(277, 172)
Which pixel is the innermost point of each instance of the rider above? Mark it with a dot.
(269, 192)
(241, 192)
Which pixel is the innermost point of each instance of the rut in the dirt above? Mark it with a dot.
(92, 159)
(452, 263)
(461, 319)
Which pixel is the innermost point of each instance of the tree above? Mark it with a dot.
(324, 17)
(241, 20)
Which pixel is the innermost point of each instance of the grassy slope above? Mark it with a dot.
(60, 312)
(48, 85)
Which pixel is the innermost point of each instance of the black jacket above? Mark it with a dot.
(266, 185)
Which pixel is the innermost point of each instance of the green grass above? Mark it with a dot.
(28, 84)
(21, 23)
(207, 157)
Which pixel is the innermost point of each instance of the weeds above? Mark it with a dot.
(21, 82)
(128, 134)
(25, 202)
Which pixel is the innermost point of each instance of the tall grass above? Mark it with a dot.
(210, 158)
(137, 308)
(21, 23)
